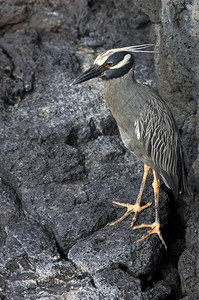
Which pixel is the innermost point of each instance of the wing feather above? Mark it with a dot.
(160, 139)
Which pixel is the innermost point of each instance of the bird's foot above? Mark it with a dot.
(136, 208)
(155, 229)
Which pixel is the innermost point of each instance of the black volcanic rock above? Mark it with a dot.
(62, 161)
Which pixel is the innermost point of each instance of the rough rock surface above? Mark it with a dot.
(62, 161)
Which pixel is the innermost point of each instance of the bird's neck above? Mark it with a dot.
(126, 79)
(116, 89)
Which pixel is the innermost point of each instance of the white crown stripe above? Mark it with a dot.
(100, 60)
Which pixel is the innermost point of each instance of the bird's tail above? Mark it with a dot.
(177, 182)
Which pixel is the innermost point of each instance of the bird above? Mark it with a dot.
(147, 128)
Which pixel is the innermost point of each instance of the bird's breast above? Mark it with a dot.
(125, 105)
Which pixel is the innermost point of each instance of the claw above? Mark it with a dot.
(136, 208)
(140, 208)
(155, 229)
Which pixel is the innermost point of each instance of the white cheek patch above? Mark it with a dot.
(123, 62)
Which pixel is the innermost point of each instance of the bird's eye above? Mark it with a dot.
(109, 64)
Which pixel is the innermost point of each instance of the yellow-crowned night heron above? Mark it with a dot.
(146, 125)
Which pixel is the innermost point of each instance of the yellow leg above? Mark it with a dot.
(156, 225)
(136, 208)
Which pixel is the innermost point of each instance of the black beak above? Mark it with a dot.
(93, 72)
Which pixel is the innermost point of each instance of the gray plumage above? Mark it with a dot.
(147, 128)
(145, 122)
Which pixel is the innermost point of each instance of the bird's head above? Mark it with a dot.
(112, 63)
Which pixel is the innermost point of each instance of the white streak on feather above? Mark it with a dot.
(137, 131)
